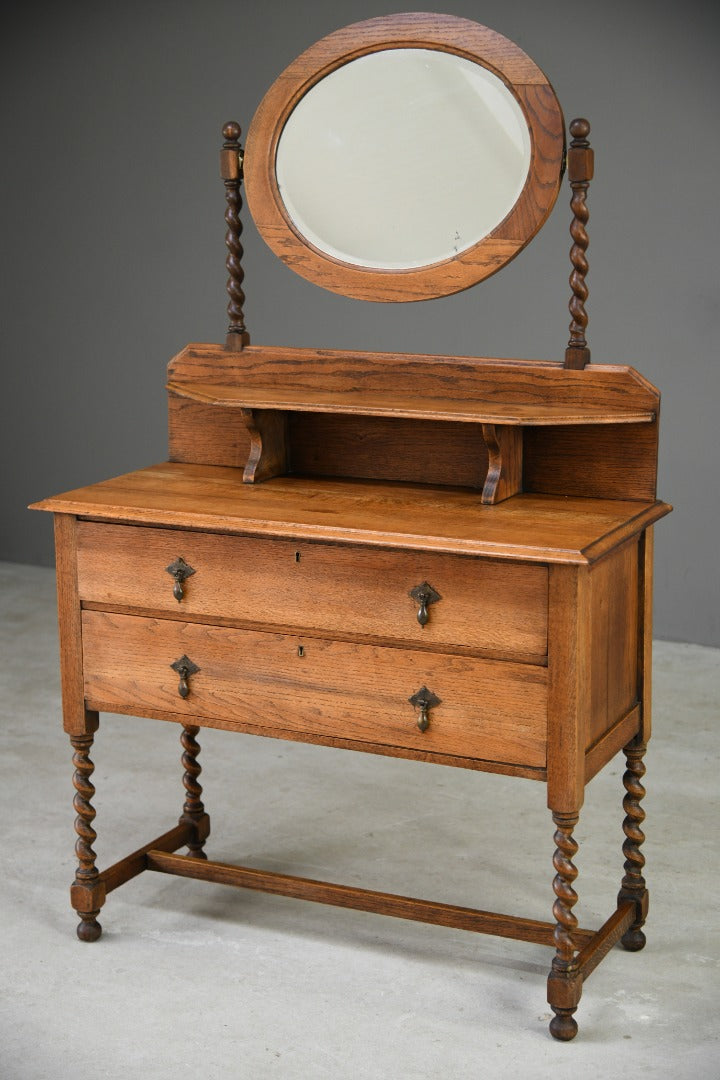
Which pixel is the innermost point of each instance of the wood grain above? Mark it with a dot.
(403, 405)
(505, 463)
(326, 892)
(486, 605)
(414, 451)
(611, 743)
(203, 434)
(612, 389)
(597, 462)
(269, 453)
(586, 433)
(644, 637)
(132, 865)
(613, 622)
(77, 720)
(602, 942)
(528, 528)
(568, 687)
(491, 710)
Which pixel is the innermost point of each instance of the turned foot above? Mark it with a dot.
(89, 929)
(634, 940)
(193, 809)
(633, 883)
(563, 1025)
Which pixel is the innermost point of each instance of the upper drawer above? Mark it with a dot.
(497, 608)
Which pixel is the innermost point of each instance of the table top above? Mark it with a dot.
(536, 528)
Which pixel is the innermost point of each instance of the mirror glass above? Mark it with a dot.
(402, 158)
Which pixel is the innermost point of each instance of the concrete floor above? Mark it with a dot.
(198, 980)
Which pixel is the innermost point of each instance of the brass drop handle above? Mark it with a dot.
(185, 668)
(424, 700)
(179, 570)
(424, 595)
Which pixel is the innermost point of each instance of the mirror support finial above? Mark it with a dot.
(231, 171)
(580, 163)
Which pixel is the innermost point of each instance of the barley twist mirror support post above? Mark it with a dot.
(580, 164)
(231, 172)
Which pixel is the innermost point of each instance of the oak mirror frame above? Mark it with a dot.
(424, 210)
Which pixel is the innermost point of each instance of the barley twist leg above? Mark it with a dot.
(193, 809)
(564, 984)
(633, 883)
(87, 892)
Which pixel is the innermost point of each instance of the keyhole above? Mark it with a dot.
(301, 650)
(297, 556)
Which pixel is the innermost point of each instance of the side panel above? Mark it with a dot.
(615, 613)
(77, 719)
(601, 461)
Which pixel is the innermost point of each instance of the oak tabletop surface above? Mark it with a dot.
(527, 527)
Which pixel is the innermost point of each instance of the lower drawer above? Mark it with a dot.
(250, 680)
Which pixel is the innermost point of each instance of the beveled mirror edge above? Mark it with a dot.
(447, 33)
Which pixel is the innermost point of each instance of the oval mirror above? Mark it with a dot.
(402, 158)
(405, 157)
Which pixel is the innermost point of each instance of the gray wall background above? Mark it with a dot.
(113, 247)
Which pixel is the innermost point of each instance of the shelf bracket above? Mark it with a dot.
(504, 475)
(268, 455)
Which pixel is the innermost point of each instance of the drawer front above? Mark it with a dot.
(250, 680)
(499, 608)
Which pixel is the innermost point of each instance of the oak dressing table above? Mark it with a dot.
(432, 557)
